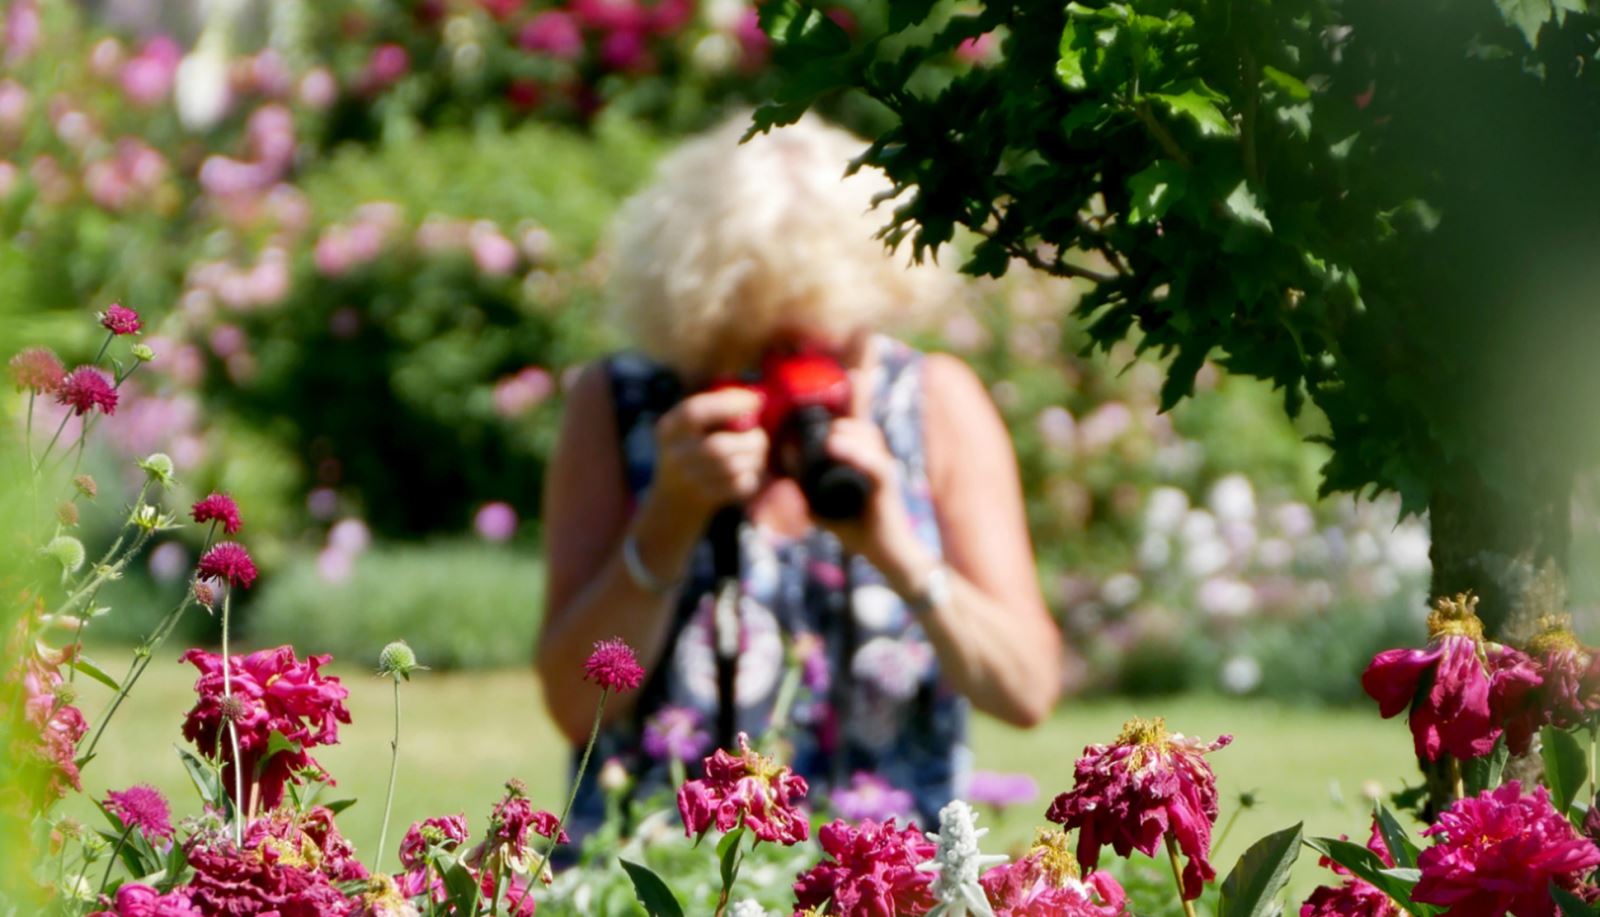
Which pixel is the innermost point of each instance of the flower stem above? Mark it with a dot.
(1177, 874)
(232, 727)
(112, 861)
(1457, 785)
(583, 765)
(1223, 835)
(394, 770)
(733, 876)
(141, 662)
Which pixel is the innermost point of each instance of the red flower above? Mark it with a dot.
(871, 871)
(613, 666)
(1136, 791)
(1354, 898)
(447, 832)
(143, 808)
(1047, 883)
(512, 819)
(135, 900)
(120, 320)
(85, 389)
(1474, 689)
(1498, 852)
(272, 692)
(311, 837)
(228, 561)
(749, 789)
(271, 880)
(1569, 695)
(219, 508)
(37, 369)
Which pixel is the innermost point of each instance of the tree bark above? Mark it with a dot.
(1510, 552)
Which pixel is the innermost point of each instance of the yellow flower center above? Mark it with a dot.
(1149, 738)
(1555, 633)
(1055, 856)
(1456, 617)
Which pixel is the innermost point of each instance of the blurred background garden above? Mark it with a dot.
(367, 239)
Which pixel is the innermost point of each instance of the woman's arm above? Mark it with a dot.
(994, 635)
(589, 595)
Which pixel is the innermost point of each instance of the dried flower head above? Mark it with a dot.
(207, 591)
(85, 389)
(1047, 883)
(119, 320)
(86, 486)
(747, 789)
(1133, 793)
(218, 508)
(613, 666)
(228, 562)
(67, 512)
(870, 870)
(37, 370)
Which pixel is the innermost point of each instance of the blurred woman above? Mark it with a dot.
(900, 618)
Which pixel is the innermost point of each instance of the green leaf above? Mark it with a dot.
(462, 888)
(339, 805)
(1289, 84)
(1085, 114)
(1528, 16)
(1479, 774)
(1196, 101)
(904, 14)
(88, 667)
(1396, 883)
(1241, 205)
(201, 774)
(1258, 877)
(653, 893)
(727, 854)
(1152, 191)
(1077, 40)
(1401, 849)
(1566, 766)
(1571, 905)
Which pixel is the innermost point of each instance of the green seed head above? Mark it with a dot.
(143, 353)
(67, 551)
(398, 660)
(158, 465)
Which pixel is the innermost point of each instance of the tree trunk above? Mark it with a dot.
(1511, 553)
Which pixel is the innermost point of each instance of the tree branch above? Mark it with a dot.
(1162, 135)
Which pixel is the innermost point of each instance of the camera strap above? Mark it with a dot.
(725, 564)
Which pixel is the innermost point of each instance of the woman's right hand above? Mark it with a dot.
(701, 464)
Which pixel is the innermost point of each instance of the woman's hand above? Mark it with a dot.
(884, 533)
(701, 464)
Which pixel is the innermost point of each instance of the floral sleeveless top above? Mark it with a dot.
(865, 696)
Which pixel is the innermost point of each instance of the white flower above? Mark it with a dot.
(1241, 675)
(747, 908)
(958, 863)
(1226, 597)
(1120, 589)
(1233, 499)
(1165, 510)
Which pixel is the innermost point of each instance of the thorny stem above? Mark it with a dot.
(1177, 874)
(111, 862)
(394, 770)
(577, 778)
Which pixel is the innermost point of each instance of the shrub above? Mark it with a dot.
(459, 604)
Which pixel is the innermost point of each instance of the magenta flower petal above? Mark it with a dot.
(85, 389)
(748, 789)
(218, 508)
(613, 666)
(870, 870)
(120, 320)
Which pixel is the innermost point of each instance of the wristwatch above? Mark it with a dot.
(935, 591)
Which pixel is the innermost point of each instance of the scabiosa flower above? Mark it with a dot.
(85, 389)
(119, 320)
(613, 666)
(1134, 792)
(1472, 687)
(142, 808)
(37, 370)
(675, 734)
(218, 508)
(872, 797)
(135, 900)
(1498, 852)
(748, 789)
(957, 863)
(1047, 883)
(228, 561)
(870, 871)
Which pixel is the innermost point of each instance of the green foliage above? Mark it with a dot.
(1251, 888)
(1566, 766)
(1369, 206)
(458, 604)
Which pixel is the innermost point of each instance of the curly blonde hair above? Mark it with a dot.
(735, 241)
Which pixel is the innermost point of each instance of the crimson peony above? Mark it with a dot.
(1047, 883)
(871, 871)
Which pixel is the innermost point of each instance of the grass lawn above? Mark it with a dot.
(464, 735)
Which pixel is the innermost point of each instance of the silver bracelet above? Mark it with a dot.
(640, 574)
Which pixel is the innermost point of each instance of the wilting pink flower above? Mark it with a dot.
(142, 808)
(675, 734)
(272, 692)
(270, 880)
(119, 320)
(47, 747)
(228, 561)
(514, 817)
(1569, 694)
(1001, 790)
(446, 832)
(870, 871)
(1353, 898)
(870, 797)
(135, 900)
(85, 389)
(38, 370)
(218, 508)
(613, 666)
(1472, 688)
(311, 836)
(748, 789)
(1498, 853)
(1134, 792)
(552, 32)
(1047, 883)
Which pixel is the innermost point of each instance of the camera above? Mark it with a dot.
(803, 392)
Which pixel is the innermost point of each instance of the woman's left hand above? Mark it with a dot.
(884, 533)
